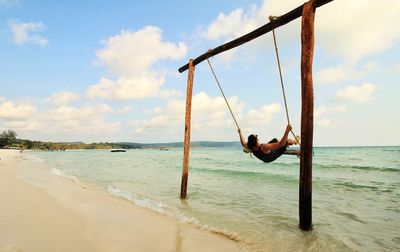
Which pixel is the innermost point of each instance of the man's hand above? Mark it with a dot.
(288, 128)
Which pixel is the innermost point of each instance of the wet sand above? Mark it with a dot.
(43, 212)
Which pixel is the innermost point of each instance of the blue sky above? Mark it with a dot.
(107, 70)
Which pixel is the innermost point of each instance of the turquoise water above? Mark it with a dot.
(356, 193)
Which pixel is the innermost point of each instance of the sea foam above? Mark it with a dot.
(154, 205)
(162, 208)
(72, 178)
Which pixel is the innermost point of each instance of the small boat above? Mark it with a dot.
(118, 150)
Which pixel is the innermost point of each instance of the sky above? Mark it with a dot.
(97, 71)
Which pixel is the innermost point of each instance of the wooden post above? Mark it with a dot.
(307, 115)
(186, 147)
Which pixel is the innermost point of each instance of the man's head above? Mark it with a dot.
(252, 141)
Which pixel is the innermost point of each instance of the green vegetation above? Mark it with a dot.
(8, 139)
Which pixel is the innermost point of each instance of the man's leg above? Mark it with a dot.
(292, 142)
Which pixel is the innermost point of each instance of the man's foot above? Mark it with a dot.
(298, 140)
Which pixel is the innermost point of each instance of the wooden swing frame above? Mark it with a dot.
(307, 12)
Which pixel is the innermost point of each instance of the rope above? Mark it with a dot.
(222, 92)
(281, 79)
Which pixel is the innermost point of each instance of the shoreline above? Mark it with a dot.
(44, 212)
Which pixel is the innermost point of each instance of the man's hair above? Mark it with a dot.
(251, 141)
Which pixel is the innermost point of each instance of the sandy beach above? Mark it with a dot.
(43, 212)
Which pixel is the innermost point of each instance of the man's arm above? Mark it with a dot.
(242, 141)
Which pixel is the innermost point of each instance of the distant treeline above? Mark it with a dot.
(38, 145)
(8, 140)
(195, 144)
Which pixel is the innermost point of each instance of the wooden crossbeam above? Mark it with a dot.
(279, 21)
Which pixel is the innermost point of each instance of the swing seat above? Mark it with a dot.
(292, 152)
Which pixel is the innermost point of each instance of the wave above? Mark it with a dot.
(356, 186)
(162, 208)
(367, 188)
(391, 150)
(231, 172)
(351, 217)
(364, 168)
(72, 178)
(154, 205)
(248, 174)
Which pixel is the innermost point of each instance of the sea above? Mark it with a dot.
(355, 193)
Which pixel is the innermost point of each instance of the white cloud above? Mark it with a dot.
(169, 93)
(372, 28)
(224, 25)
(10, 110)
(67, 113)
(131, 56)
(239, 21)
(211, 118)
(124, 110)
(321, 114)
(359, 28)
(324, 123)
(339, 73)
(87, 120)
(125, 88)
(231, 25)
(336, 74)
(396, 68)
(227, 57)
(131, 53)
(263, 116)
(351, 29)
(103, 108)
(22, 32)
(172, 115)
(323, 110)
(212, 112)
(356, 94)
(58, 124)
(208, 113)
(62, 98)
(24, 125)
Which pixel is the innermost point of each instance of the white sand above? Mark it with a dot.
(42, 212)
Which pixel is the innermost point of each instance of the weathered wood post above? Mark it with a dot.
(307, 115)
(186, 147)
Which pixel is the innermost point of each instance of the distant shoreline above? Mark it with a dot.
(57, 146)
